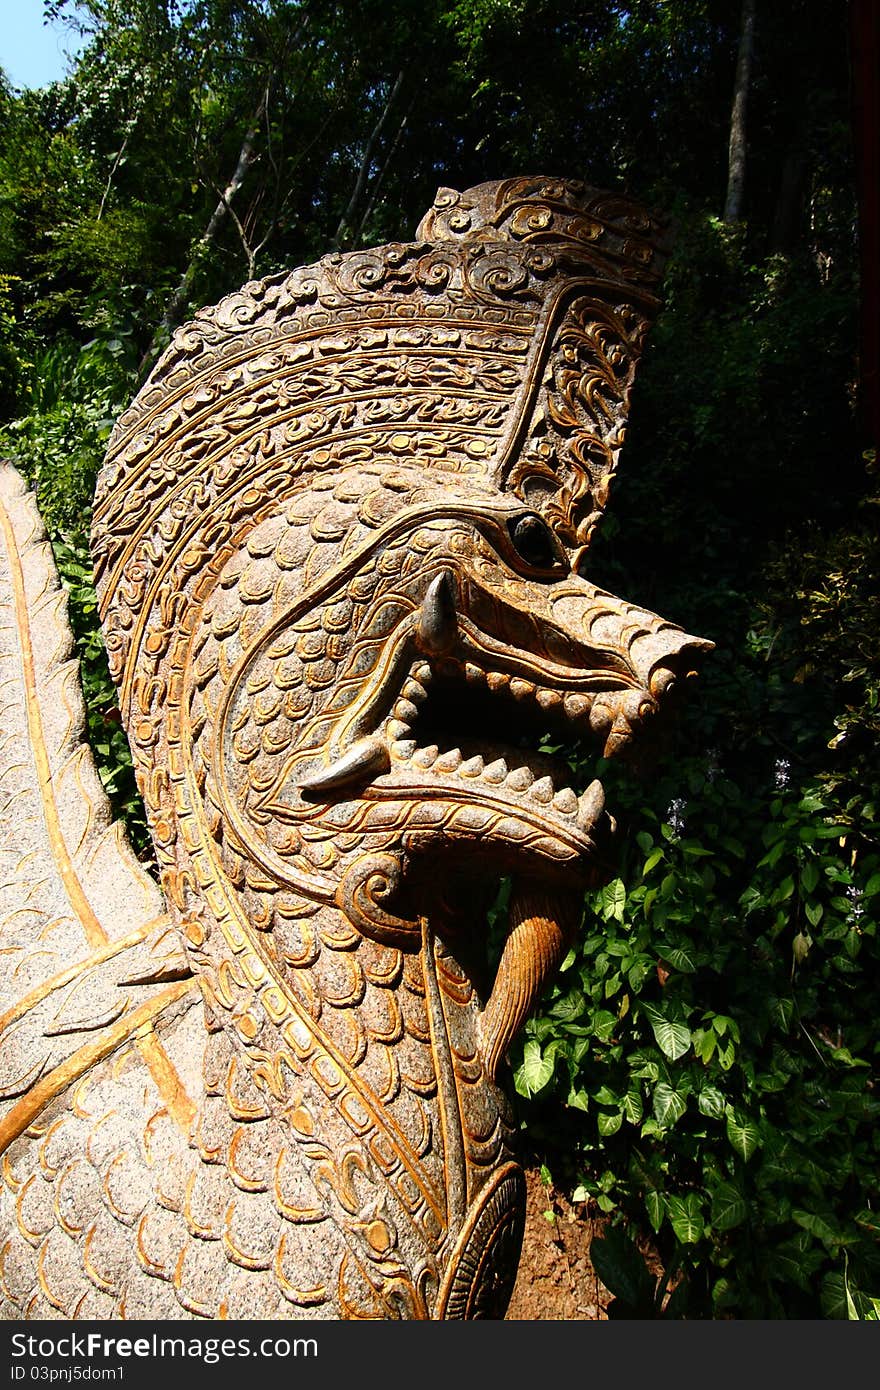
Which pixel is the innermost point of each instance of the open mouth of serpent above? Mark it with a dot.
(458, 720)
(460, 732)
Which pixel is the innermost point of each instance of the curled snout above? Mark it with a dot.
(616, 715)
(678, 665)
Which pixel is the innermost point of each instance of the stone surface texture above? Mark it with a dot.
(340, 542)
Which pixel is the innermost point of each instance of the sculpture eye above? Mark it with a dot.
(534, 542)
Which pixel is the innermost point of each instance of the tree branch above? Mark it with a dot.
(380, 177)
(175, 305)
(347, 217)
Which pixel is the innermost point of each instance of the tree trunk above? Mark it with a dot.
(736, 160)
(380, 177)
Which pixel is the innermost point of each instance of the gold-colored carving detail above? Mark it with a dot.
(26, 1110)
(338, 541)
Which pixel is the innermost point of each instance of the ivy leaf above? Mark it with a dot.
(622, 1270)
(711, 1103)
(680, 959)
(795, 1264)
(604, 1024)
(673, 1039)
(571, 1006)
(655, 1207)
(536, 1070)
(800, 947)
(605, 1096)
(810, 876)
(652, 861)
(636, 976)
(632, 1107)
(819, 1226)
(609, 1124)
(784, 891)
(686, 1217)
(744, 1136)
(729, 1207)
(726, 1055)
(613, 900)
(669, 1105)
(814, 913)
(722, 1024)
(835, 1297)
(782, 1012)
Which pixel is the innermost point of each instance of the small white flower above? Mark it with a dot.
(857, 910)
(675, 816)
(780, 774)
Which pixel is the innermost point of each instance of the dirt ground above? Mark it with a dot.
(556, 1279)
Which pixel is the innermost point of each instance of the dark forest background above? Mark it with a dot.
(704, 1072)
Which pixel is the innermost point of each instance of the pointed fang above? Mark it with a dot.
(367, 758)
(438, 624)
(591, 804)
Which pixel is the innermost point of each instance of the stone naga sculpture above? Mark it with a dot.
(340, 543)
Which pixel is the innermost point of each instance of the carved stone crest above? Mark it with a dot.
(340, 542)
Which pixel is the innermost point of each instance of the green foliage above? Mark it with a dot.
(714, 1035)
(104, 728)
(73, 395)
(13, 347)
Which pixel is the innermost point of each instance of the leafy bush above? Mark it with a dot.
(713, 1032)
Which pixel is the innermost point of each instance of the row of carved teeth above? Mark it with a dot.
(414, 692)
(540, 790)
(550, 701)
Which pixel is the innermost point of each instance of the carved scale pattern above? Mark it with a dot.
(304, 527)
